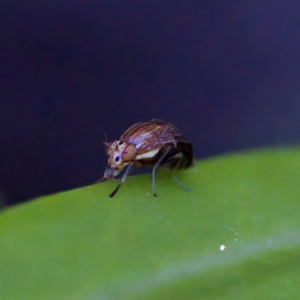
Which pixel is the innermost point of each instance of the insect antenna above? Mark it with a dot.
(105, 135)
(106, 145)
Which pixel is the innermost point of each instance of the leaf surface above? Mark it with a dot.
(235, 235)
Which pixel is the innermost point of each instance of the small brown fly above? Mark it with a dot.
(151, 144)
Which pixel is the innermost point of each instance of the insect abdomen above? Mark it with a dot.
(188, 157)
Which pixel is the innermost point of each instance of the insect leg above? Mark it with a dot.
(155, 167)
(180, 156)
(122, 180)
(101, 180)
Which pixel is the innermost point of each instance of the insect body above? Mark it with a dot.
(151, 144)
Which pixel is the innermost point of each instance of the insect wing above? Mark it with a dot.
(182, 149)
(145, 135)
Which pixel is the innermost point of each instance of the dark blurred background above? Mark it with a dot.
(227, 73)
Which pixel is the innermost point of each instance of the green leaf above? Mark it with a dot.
(235, 235)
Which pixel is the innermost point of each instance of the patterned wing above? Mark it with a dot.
(149, 135)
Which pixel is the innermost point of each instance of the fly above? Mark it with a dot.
(151, 144)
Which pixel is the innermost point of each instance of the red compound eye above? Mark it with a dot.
(129, 153)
